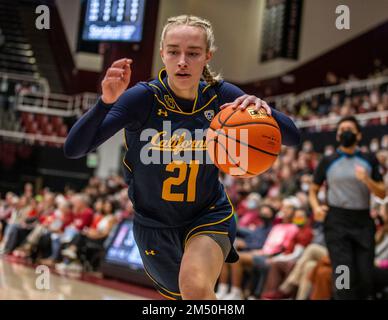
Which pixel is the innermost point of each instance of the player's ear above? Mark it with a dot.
(161, 54)
(209, 56)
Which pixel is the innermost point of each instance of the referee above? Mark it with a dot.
(351, 176)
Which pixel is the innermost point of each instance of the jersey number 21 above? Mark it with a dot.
(184, 171)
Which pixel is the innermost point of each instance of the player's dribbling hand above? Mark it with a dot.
(244, 101)
(116, 80)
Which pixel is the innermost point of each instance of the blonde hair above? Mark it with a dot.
(193, 21)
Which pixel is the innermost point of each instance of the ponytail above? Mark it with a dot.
(210, 76)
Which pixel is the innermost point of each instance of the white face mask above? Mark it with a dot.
(322, 195)
(374, 147)
(328, 152)
(57, 213)
(305, 187)
(307, 148)
(251, 204)
(384, 144)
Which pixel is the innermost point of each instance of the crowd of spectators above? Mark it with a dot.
(282, 249)
(341, 102)
(328, 105)
(65, 230)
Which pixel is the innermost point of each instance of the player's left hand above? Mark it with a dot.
(244, 101)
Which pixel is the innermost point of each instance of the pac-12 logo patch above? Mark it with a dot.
(209, 114)
(169, 101)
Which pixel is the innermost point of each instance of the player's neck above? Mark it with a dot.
(189, 94)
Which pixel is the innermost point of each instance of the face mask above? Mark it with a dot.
(374, 147)
(347, 138)
(299, 221)
(251, 204)
(307, 148)
(322, 195)
(328, 152)
(305, 187)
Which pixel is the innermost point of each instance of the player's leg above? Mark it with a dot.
(208, 243)
(201, 265)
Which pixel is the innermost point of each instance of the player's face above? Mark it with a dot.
(184, 55)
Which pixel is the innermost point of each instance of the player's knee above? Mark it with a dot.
(193, 287)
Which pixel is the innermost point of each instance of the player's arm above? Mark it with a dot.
(115, 110)
(234, 97)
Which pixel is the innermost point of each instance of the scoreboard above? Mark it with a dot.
(114, 20)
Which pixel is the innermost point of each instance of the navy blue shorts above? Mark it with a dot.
(161, 249)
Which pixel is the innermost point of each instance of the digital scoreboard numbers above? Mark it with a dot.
(114, 20)
(281, 29)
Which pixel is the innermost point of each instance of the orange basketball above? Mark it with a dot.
(243, 143)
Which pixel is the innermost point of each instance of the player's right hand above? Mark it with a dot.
(320, 213)
(116, 80)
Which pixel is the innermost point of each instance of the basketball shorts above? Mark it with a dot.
(161, 249)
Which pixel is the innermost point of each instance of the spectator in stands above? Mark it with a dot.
(249, 215)
(83, 217)
(6, 208)
(94, 236)
(126, 211)
(321, 280)
(331, 79)
(248, 240)
(384, 142)
(28, 190)
(281, 265)
(381, 250)
(54, 230)
(279, 238)
(299, 279)
(19, 224)
(51, 226)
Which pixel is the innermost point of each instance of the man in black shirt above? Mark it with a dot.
(351, 176)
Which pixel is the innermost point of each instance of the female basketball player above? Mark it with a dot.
(184, 224)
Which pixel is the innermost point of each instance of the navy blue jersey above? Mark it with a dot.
(172, 191)
(166, 192)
